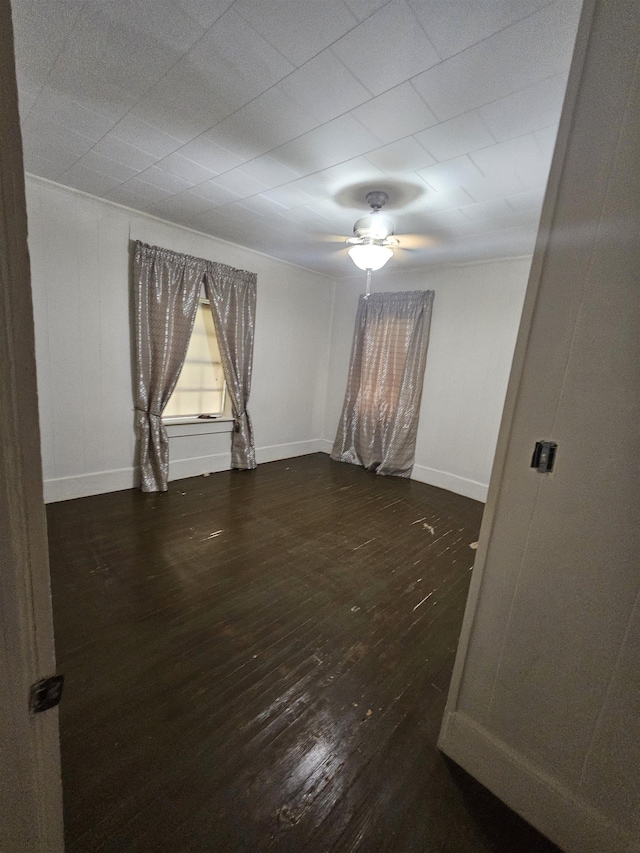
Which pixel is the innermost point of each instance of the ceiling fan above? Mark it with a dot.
(373, 241)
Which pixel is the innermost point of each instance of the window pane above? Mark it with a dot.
(199, 390)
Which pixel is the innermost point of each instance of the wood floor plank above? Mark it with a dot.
(258, 661)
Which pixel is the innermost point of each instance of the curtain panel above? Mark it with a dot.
(167, 288)
(232, 294)
(379, 420)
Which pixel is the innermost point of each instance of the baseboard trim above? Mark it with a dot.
(433, 477)
(569, 821)
(99, 482)
(180, 469)
(287, 451)
(83, 485)
(452, 482)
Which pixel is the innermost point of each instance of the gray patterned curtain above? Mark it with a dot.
(167, 288)
(379, 418)
(232, 294)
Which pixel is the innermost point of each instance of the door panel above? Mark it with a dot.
(545, 703)
(30, 790)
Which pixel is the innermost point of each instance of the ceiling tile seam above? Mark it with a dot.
(535, 136)
(469, 157)
(271, 45)
(507, 141)
(342, 162)
(496, 32)
(153, 86)
(158, 160)
(278, 82)
(309, 174)
(241, 199)
(347, 112)
(247, 103)
(375, 12)
(422, 145)
(273, 85)
(338, 61)
(251, 159)
(448, 58)
(427, 36)
(330, 45)
(199, 23)
(484, 123)
(506, 198)
(302, 64)
(63, 48)
(480, 41)
(479, 107)
(464, 190)
(410, 80)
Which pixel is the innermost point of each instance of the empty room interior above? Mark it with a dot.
(282, 254)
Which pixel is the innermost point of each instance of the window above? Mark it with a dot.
(386, 344)
(201, 389)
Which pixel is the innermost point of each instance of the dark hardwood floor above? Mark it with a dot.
(258, 661)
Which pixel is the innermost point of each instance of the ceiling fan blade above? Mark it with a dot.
(416, 241)
(332, 238)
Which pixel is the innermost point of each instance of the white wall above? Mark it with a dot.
(474, 325)
(81, 290)
(80, 261)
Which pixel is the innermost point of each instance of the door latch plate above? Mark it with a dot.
(46, 693)
(544, 456)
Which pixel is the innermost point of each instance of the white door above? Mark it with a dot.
(544, 706)
(30, 791)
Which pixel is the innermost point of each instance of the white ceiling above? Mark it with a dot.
(265, 122)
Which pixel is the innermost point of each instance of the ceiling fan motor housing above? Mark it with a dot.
(377, 199)
(375, 226)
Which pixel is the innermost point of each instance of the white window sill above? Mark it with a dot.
(197, 426)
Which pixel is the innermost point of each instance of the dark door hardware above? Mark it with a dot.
(46, 693)
(544, 455)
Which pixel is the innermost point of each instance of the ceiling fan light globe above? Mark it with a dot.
(370, 257)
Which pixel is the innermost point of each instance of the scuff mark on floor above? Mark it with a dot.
(213, 535)
(355, 608)
(363, 544)
(419, 520)
(393, 503)
(289, 816)
(473, 545)
(423, 601)
(430, 529)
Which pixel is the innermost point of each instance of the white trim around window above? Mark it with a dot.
(197, 426)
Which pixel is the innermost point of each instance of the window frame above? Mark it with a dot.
(205, 417)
